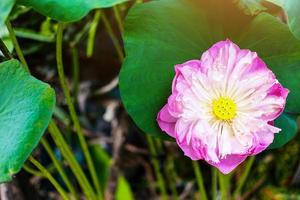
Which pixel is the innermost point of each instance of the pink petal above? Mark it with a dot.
(166, 121)
(229, 163)
(280, 94)
(183, 74)
(189, 151)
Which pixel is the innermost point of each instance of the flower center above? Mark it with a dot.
(224, 108)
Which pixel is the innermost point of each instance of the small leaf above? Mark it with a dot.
(123, 189)
(26, 106)
(288, 125)
(292, 8)
(66, 10)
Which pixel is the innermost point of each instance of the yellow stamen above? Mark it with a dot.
(224, 108)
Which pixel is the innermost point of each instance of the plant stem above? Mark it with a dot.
(113, 37)
(199, 179)
(159, 145)
(16, 44)
(224, 180)
(79, 36)
(70, 158)
(5, 51)
(72, 111)
(214, 183)
(32, 171)
(171, 176)
(75, 71)
(49, 177)
(118, 18)
(244, 176)
(59, 168)
(155, 162)
(92, 34)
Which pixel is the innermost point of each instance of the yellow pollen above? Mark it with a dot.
(224, 108)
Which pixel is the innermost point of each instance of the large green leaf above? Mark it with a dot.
(26, 106)
(5, 8)
(67, 10)
(163, 33)
(289, 128)
(292, 8)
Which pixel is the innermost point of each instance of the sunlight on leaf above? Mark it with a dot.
(251, 7)
(292, 8)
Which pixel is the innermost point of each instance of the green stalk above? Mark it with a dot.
(79, 36)
(113, 37)
(199, 179)
(75, 71)
(5, 51)
(16, 44)
(158, 144)
(214, 183)
(70, 158)
(32, 171)
(92, 34)
(168, 169)
(170, 173)
(72, 111)
(59, 168)
(224, 185)
(60, 190)
(118, 18)
(155, 162)
(243, 178)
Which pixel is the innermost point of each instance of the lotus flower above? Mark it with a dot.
(222, 107)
